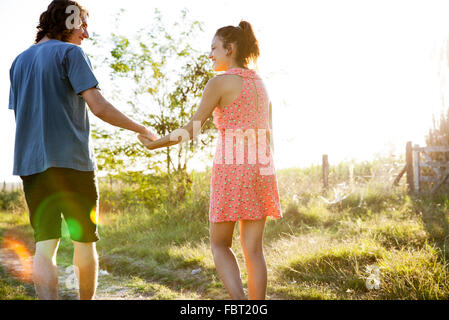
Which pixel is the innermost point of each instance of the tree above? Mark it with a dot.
(165, 76)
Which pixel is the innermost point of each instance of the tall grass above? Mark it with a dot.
(325, 247)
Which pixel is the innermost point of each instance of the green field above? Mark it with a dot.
(317, 251)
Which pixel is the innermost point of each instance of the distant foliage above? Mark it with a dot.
(126, 190)
(348, 180)
(161, 76)
(439, 136)
(11, 200)
(136, 190)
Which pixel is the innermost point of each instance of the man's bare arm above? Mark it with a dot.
(104, 110)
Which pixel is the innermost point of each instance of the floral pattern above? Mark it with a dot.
(243, 183)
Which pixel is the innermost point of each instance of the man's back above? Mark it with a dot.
(51, 83)
(51, 118)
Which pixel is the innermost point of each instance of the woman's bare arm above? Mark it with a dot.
(211, 98)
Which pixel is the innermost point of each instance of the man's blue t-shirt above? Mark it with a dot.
(52, 123)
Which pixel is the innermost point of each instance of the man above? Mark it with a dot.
(50, 85)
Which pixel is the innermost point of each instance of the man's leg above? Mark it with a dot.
(85, 258)
(45, 271)
(80, 204)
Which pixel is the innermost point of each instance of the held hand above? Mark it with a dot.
(146, 141)
(149, 135)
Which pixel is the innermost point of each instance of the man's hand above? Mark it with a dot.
(148, 135)
(147, 140)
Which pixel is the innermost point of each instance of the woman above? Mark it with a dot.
(242, 189)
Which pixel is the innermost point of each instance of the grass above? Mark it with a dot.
(317, 251)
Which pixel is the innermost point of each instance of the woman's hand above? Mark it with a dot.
(149, 135)
(147, 140)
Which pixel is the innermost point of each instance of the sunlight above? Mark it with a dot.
(348, 78)
(16, 259)
(347, 213)
(95, 216)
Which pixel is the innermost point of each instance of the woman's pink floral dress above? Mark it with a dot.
(244, 184)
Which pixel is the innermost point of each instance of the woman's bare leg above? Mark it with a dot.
(251, 237)
(224, 258)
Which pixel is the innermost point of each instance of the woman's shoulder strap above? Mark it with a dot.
(244, 73)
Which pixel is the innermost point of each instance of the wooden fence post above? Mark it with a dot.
(416, 176)
(409, 161)
(325, 172)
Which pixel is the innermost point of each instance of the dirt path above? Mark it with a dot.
(109, 286)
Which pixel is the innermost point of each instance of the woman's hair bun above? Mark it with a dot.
(243, 36)
(251, 45)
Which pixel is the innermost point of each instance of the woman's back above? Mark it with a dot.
(250, 110)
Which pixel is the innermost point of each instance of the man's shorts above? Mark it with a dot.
(56, 191)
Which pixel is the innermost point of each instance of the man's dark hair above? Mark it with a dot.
(52, 23)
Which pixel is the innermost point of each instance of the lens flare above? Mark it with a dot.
(16, 259)
(75, 229)
(95, 216)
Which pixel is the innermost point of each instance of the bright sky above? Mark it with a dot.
(346, 78)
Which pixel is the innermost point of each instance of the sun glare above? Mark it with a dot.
(16, 259)
(94, 216)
